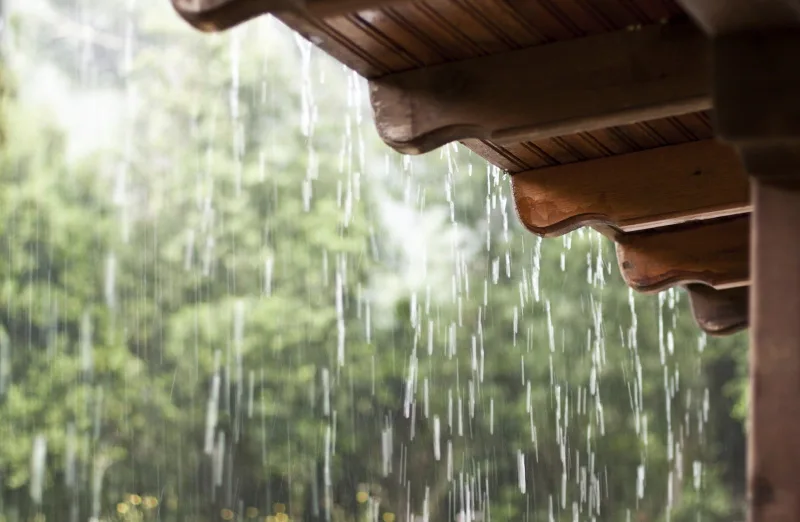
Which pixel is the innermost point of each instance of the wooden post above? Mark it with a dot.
(755, 84)
(774, 442)
(755, 91)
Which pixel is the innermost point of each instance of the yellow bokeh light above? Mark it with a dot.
(135, 500)
(122, 508)
(226, 514)
(150, 502)
(388, 517)
(362, 496)
(251, 512)
(279, 508)
(270, 518)
(282, 517)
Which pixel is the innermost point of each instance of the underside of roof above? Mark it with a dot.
(600, 109)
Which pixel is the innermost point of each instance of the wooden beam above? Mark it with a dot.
(713, 253)
(719, 312)
(551, 90)
(734, 16)
(632, 192)
(218, 15)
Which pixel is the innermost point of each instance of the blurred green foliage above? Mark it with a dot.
(226, 244)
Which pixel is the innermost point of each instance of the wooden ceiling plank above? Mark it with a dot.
(720, 312)
(632, 192)
(714, 253)
(552, 90)
(218, 15)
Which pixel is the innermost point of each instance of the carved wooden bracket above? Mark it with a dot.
(632, 192)
(714, 253)
(719, 312)
(218, 15)
(621, 77)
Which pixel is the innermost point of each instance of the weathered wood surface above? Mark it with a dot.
(557, 89)
(714, 253)
(632, 192)
(218, 15)
(719, 312)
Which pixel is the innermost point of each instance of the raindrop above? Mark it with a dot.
(38, 455)
(111, 281)
(269, 265)
(86, 348)
(340, 328)
(5, 361)
(437, 434)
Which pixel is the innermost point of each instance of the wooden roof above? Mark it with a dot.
(599, 109)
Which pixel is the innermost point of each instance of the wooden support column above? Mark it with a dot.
(756, 81)
(774, 445)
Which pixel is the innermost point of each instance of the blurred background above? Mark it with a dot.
(223, 298)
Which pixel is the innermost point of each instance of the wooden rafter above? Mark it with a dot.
(652, 188)
(714, 253)
(719, 312)
(620, 78)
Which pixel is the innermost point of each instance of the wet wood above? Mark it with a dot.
(713, 253)
(218, 15)
(774, 443)
(551, 90)
(637, 191)
(719, 312)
